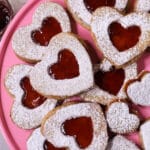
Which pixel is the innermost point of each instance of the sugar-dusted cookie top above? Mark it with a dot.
(82, 9)
(145, 134)
(65, 70)
(77, 126)
(121, 143)
(142, 5)
(30, 42)
(110, 83)
(29, 107)
(138, 89)
(38, 142)
(120, 38)
(120, 120)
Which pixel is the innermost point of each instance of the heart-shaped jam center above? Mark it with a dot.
(5, 16)
(110, 81)
(31, 99)
(66, 68)
(92, 5)
(123, 38)
(81, 129)
(50, 27)
(48, 146)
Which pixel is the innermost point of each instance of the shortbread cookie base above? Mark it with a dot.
(52, 124)
(22, 43)
(22, 116)
(120, 120)
(50, 87)
(103, 97)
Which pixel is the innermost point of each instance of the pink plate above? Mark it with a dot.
(16, 137)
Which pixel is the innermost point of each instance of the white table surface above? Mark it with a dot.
(16, 5)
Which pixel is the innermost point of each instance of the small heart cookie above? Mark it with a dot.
(66, 69)
(29, 107)
(30, 42)
(142, 5)
(38, 142)
(138, 89)
(120, 38)
(145, 134)
(79, 126)
(121, 143)
(120, 120)
(110, 83)
(82, 9)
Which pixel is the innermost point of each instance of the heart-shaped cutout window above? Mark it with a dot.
(30, 99)
(123, 38)
(50, 27)
(92, 5)
(110, 81)
(66, 68)
(81, 129)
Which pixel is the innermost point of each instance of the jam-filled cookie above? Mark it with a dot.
(142, 5)
(120, 120)
(121, 143)
(109, 83)
(38, 142)
(65, 70)
(31, 42)
(78, 126)
(145, 134)
(138, 89)
(29, 106)
(120, 38)
(82, 9)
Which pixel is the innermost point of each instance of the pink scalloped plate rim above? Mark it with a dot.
(16, 137)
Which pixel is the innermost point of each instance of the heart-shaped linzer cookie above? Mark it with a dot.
(121, 143)
(142, 6)
(110, 83)
(120, 120)
(65, 51)
(145, 134)
(120, 38)
(30, 42)
(138, 89)
(38, 141)
(29, 106)
(81, 126)
(82, 9)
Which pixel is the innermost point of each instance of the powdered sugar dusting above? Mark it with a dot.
(145, 134)
(36, 140)
(121, 143)
(50, 87)
(22, 116)
(22, 43)
(142, 5)
(103, 97)
(81, 13)
(51, 128)
(119, 119)
(101, 20)
(138, 91)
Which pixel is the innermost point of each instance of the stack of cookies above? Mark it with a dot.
(71, 103)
